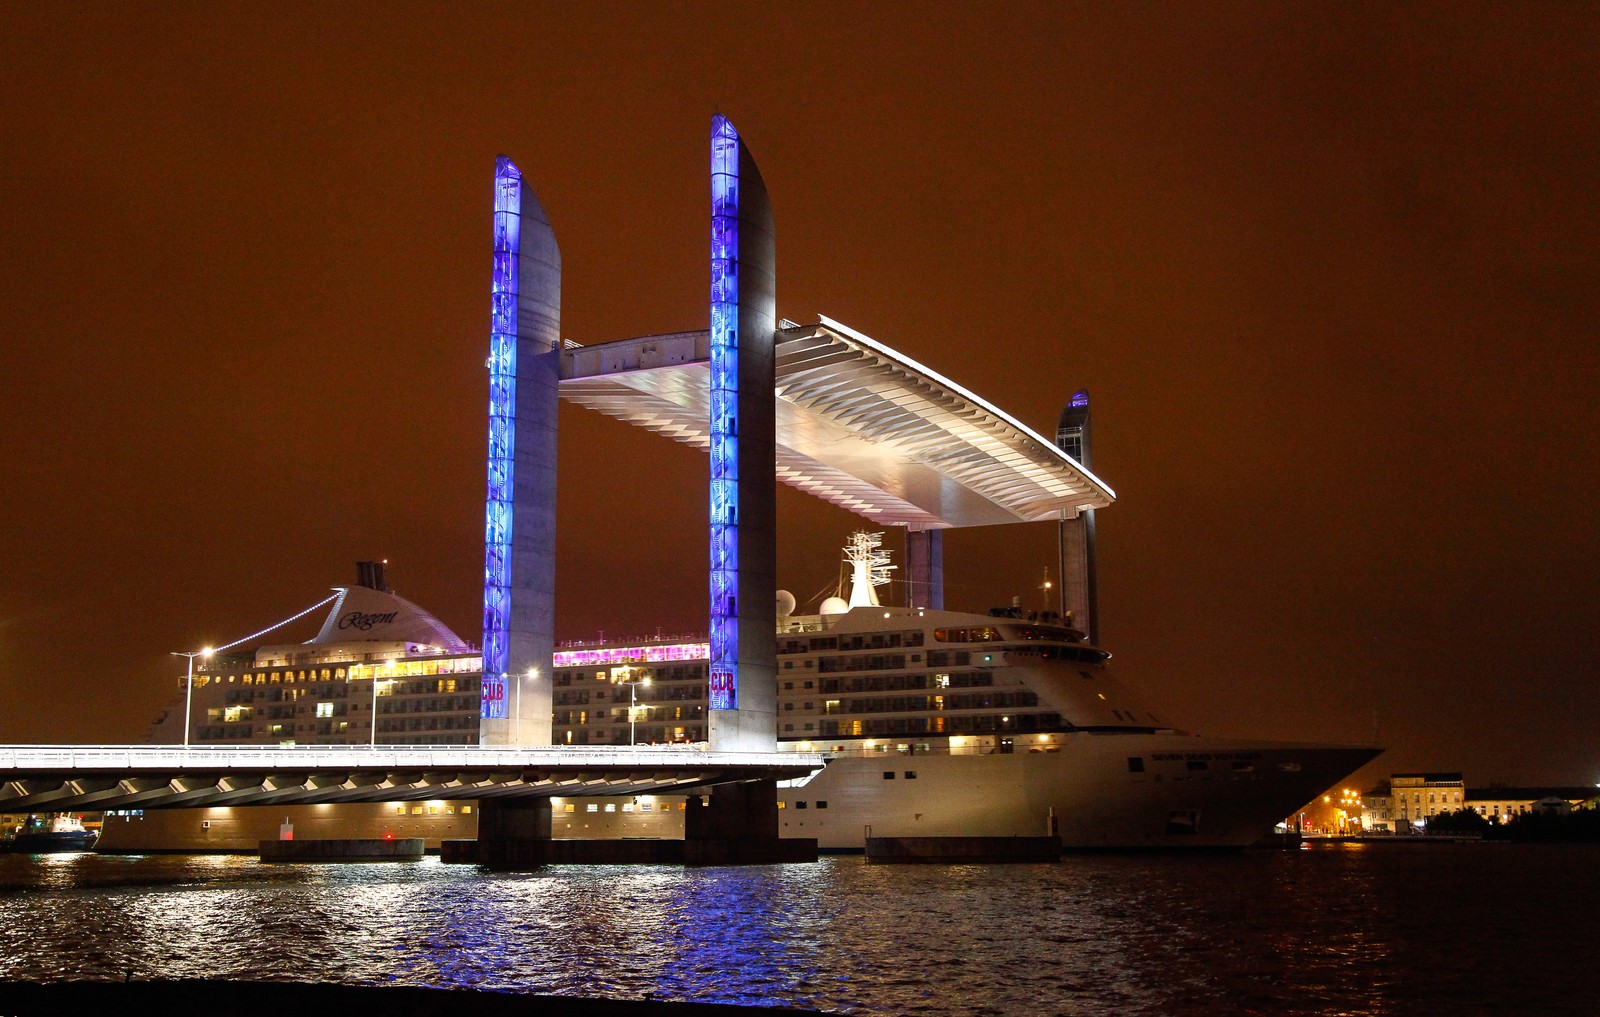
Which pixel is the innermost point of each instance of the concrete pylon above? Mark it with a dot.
(925, 568)
(520, 536)
(743, 505)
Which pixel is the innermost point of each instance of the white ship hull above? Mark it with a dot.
(1084, 793)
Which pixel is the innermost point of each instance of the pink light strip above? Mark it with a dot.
(633, 654)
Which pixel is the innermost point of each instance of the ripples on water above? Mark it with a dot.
(1455, 929)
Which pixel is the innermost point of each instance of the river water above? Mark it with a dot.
(1352, 929)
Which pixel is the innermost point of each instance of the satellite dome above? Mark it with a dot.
(785, 603)
(835, 605)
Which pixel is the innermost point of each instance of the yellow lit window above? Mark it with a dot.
(466, 810)
(570, 808)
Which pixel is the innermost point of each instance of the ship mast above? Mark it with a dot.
(869, 568)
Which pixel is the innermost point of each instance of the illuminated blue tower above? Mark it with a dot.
(743, 714)
(519, 547)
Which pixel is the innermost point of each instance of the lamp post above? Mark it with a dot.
(532, 675)
(188, 697)
(374, 741)
(627, 678)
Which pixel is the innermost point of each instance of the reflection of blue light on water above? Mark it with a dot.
(1327, 931)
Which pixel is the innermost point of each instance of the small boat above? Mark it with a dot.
(44, 834)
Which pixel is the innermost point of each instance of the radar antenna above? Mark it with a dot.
(869, 567)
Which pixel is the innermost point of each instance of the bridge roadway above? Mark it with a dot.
(71, 778)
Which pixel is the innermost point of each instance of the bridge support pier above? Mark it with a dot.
(737, 824)
(512, 833)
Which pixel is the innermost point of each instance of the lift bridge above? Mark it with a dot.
(820, 407)
(72, 778)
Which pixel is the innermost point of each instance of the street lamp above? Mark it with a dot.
(633, 684)
(532, 675)
(188, 698)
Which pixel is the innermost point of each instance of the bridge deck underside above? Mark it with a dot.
(87, 790)
(857, 424)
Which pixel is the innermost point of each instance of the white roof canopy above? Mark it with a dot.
(858, 424)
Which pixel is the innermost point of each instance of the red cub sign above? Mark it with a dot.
(723, 692)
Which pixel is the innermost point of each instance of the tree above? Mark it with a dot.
(1462, 821)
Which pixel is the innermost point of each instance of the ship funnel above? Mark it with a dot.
(371, 575)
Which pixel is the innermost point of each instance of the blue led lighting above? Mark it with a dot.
(502, 426)
(724, 684)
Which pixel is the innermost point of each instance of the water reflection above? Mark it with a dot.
(1323, 932)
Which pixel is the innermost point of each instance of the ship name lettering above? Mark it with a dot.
(363, 621)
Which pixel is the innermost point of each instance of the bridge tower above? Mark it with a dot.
(520, 536)
(743, 505)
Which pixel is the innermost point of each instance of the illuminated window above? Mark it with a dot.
(611, 807)
(399, 810)
(591, 807)
(627, 806)
(466, 810)
(569, 807)
(324, 709)
(416, 810)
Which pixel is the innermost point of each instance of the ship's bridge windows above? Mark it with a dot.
(968, 634)
(1050, 632)
(1076, 654)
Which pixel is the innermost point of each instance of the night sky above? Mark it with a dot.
(1330, 276)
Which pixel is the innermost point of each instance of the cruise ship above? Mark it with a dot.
(935, 722)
